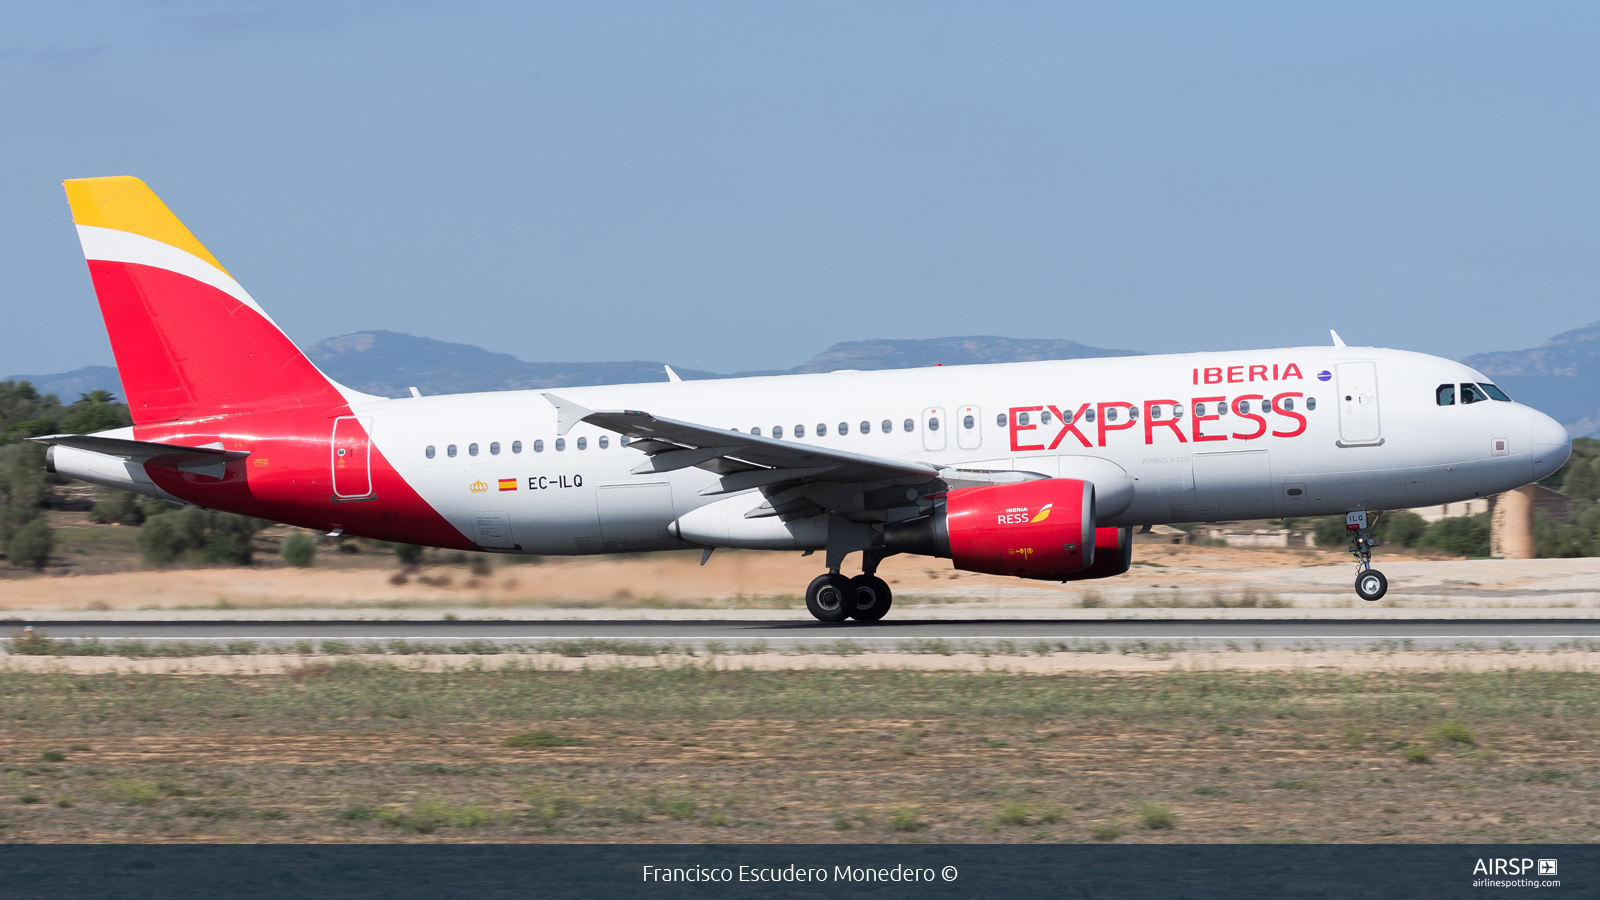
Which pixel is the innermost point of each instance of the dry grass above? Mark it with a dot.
(360, 752)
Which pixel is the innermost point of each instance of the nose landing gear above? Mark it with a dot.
(1370, 583)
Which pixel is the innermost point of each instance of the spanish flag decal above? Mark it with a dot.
(1043, 514)
(508, 484)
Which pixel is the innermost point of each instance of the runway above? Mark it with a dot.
(905, 634)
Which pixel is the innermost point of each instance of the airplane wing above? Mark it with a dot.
(796, 478)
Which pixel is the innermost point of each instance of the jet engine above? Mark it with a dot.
(1031, 529)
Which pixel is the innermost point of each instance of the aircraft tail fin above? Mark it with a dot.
(189, 340)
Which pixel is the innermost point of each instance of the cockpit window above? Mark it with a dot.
(1494, 392)
(1445, 395)
(1471, 393)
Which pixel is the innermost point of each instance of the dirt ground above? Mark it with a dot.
(325, 753)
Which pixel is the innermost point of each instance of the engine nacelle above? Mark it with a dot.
(1113, 554)
(1032, 529)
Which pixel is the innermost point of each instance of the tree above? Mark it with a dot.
(201, 535)
(1403, 528)
(1459, 535)
(31, 545)
(299, 550)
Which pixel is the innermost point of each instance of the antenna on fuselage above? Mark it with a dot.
(1337, 341)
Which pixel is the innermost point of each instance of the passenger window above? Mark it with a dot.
(1111, 414)
(1133, 412)
(605, 441)
(1199, 409)
(866, 427)
(777, 432)
(1494, 392)
(516, 446)
(1222, 408)
(1066, 418)
(1000, 420)
(1471, 393)
(967, 422)
(799, 431)
(583, 443)
(756, 432)
(1266, 406)
(561, 443)
(494, 448)
(911, 425)
(626, 440)
(472, 449)
(1244, 407)
(844, 428)
(1311, 403)
(1155, 412)
(1044, 417)
(933, 423)
(428, 452)
(887, 426)
(450, 451)
(1445, 395)
(1288, 404)
(1088, 415)
(538, 446)
(1022, 420)
(822, 429)
(1177, 410)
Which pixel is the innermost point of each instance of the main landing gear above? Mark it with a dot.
(1370, 583)
(832, 597)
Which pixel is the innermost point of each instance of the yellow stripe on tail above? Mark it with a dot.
(125, 203)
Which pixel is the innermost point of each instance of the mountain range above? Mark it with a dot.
(1561, 377)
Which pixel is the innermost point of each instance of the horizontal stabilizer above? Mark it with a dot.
(145, 452)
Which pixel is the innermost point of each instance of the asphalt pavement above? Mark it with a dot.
(888, 634)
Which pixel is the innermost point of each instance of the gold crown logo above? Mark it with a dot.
(478, 487)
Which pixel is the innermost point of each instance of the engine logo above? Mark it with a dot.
(1043, 514)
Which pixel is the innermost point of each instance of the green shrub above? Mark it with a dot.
(1560, 540)
(1459, 535)
(1012, 812)
(1330, 532)
(906, 818)
(1416, 753)
(1106, 831)
(299, 550)
(408, 554)
(1451, 733)
(132, 791)
(114, 507)
(428, 816)
(31, 545)
(1155, 816)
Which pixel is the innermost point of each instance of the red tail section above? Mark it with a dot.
(189, 341)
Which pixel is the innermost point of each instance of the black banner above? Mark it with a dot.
(645, 872)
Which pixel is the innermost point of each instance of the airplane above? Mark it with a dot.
(1038, 470)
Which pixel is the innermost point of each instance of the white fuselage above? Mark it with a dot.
(1389, 445)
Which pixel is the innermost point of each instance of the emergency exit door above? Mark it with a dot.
(1358, 403)
(352, 473)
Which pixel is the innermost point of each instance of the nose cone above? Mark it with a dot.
(1551, 445)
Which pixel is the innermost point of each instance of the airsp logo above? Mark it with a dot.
(1512, 867)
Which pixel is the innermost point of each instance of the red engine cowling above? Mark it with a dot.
(1113, 554)
(1033, 529)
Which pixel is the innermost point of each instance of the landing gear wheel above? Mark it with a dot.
(830, 597)
(872, 598)
(1371, 585)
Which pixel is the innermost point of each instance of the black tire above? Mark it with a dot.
(829, 598)
(872, 598)
(1371, 585)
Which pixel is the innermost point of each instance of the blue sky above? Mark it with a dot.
(737, 186)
